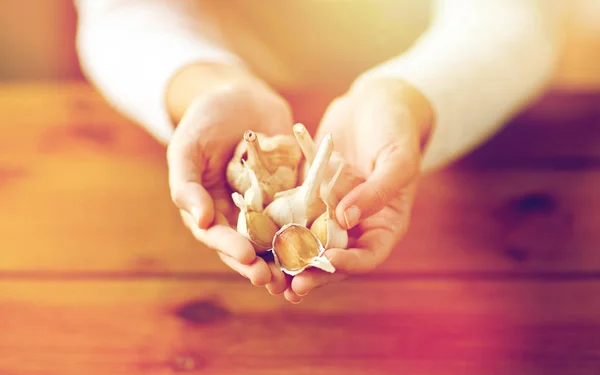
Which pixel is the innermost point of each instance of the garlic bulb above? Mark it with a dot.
(296, 248)
(326, 227)
(302, 205)
(252, 223)
(274, 160)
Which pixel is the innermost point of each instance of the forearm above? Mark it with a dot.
(132, 50)
(478, 64)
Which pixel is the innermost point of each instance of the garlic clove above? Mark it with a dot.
(302, 205)
(287, 208)
(257, 227)
(260, 230)
(295, 248)
(274, 160)
(319, 228)
(329, 232)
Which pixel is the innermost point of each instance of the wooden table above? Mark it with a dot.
(500, 273)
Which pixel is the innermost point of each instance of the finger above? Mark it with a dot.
(312, 278)
(345, 262)
(223, 238)
(257, 272)
(368, 251)
(372, 249)
(291, 296)
(278, 283)
(186, 161)
(395, 168)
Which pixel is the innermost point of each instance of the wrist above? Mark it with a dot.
(398, 91)
(197, 79)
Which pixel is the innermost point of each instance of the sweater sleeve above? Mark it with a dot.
(478, 64)
(130, 50)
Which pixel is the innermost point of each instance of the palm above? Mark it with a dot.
(198, 155)
(260, 111)
(378, 233)
(379, 129)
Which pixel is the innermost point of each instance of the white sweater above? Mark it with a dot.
(478, 63)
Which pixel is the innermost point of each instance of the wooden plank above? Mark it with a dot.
(84, 190)
(561, 131)
(226, 327)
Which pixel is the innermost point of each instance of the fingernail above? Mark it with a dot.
(302, 295)
(195, 212)
(297, 302)
(351, 216)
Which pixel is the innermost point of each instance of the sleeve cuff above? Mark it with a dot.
(131, 55)
(476, 68)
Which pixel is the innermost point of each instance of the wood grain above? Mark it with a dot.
(499, 274)
(82, 189)
(226, 327)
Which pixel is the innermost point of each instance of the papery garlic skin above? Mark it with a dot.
(326, 226)
(260, 230)
(296, 248)
(302, 205)
(274, 160)
(254, 197)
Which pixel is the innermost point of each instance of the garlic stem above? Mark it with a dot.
(329, 197)
(302, 205)
(307, 145)
(255, 153)
(312, 184)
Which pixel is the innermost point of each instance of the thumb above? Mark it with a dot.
(395, 167)
(186, 162)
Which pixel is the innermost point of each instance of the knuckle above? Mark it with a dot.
(381, 196)
(396, 152)
(404, 159)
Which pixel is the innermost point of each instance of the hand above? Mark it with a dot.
(380, 128)
(216, 105)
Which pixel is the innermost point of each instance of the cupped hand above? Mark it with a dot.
(228, 102)
(380, 127)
